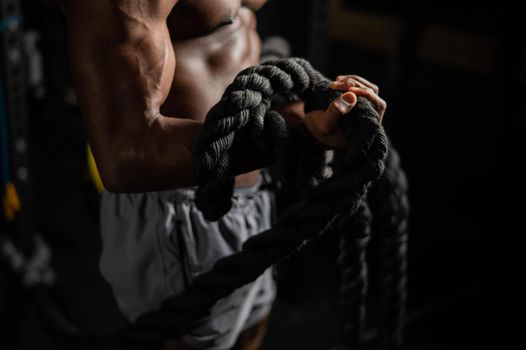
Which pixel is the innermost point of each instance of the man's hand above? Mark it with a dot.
(324, 125)
(361, 87)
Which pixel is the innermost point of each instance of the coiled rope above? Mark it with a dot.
(245, 108)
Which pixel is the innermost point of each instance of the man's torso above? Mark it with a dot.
(213, 41)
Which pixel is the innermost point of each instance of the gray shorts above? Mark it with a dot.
(156, 243)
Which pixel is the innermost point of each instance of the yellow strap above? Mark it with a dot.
(11, 202)
(94, 171)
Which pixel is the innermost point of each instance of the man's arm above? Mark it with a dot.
(123, 64)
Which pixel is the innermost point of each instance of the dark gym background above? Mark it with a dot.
(454, 79)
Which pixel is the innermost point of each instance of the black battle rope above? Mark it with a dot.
(244, 108)
(354, 236)
(391, 208)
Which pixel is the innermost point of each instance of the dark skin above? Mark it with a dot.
(146, 73)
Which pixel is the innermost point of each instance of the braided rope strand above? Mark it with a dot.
(354, 237)
(392, 213)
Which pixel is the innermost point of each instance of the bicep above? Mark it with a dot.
(122, 75)
(123, 65)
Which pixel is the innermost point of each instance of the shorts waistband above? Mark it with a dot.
(188, 193)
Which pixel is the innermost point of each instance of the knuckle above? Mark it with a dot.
(350, 82)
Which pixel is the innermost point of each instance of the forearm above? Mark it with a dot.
(164, 157)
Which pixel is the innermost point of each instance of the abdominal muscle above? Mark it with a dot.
(206, 65)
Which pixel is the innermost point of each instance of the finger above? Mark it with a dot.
(367, 83)
(378, 103)
(346, 83)
(364, 82)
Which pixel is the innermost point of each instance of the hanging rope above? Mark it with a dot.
(354, 232)
(391, 204)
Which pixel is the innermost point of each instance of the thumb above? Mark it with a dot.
(339, 107)
(325, 123)
(343, 104)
